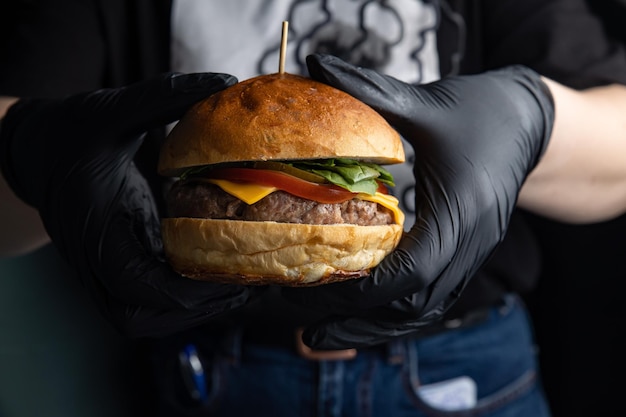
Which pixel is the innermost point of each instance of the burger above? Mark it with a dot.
(279, 179)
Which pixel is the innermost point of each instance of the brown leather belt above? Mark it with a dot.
(321, 355)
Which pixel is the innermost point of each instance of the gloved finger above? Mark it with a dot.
(144, 321)
(152, 283)
(141, 321)
(87, 125)
(121, 236)
(377, 325)
(365, 330)
(145, 311)
(137, 277)
(388, 96)
(149, 104)
(405, 272)
(131, 253)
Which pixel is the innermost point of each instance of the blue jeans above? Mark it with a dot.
(487, 370)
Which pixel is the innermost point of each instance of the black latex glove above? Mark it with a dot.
(476, 138)
(72, 159)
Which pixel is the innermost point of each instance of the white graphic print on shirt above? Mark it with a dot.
(242, 37)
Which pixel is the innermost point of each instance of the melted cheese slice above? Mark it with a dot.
(251, 193)
(387, 201)
(248, 193)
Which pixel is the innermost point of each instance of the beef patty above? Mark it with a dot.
(198, 199)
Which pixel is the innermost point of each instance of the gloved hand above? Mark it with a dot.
(476, 138)
(72, 159)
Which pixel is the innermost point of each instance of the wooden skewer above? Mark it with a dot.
(283, 48)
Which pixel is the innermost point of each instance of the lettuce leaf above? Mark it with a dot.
(355, 176)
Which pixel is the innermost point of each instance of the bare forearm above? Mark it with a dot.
(22, 230)
(582, 175)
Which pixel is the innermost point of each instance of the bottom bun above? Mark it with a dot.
(289, 254)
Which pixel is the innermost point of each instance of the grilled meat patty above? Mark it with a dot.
(200, 199)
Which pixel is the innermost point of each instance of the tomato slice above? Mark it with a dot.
(323, 193)
(382, 188)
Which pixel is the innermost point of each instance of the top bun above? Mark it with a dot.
(279, 117)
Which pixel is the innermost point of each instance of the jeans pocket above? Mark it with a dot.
(457, 397)
(486, 370)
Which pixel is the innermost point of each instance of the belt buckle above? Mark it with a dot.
(321, 355)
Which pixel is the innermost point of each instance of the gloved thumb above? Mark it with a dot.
(39, 134)
(155, 102)
(381, 92)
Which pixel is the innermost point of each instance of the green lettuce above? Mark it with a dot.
(355, 176)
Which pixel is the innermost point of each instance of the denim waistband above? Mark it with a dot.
(233, 339)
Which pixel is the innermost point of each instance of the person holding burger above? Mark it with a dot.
(482, 145)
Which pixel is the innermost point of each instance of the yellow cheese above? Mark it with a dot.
(248, 193)
(251, 193)
(387, 201)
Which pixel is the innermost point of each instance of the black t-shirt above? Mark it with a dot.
(72, 46)
(561, 40)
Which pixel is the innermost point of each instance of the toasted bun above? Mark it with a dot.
(279, 253)
(279, 117)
